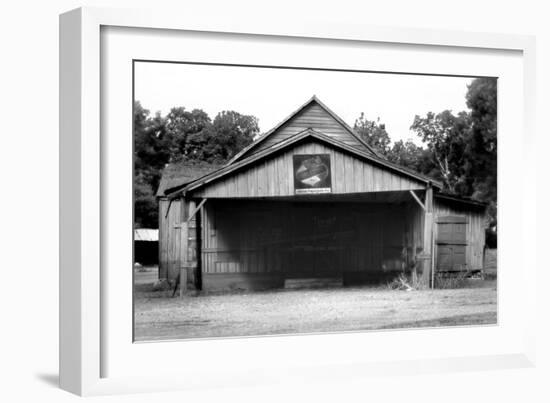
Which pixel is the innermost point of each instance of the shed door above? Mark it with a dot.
(451, 243)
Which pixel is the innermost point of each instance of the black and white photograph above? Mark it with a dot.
(278, 201)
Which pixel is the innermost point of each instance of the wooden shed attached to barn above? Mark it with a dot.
(309, 199)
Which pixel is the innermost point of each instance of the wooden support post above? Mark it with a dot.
(191, 232)
(428, 238)
(183, 257)
(432, 283)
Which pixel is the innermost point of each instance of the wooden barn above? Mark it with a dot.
(309, 199)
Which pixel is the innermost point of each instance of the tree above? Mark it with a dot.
(446, 136)
(182, 135)
(481, 98)
(464, 146)
(151, 153)
(417, 158)
(234, 131)
(373, 133)
(229, 133)
(180, 124)
(145, 203)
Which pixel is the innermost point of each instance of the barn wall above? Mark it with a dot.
(475, 230)
(274, 177)
(172, 249)
(414, 230)
(163, 239)
(312, 116)
(170, 214)
(259, 244)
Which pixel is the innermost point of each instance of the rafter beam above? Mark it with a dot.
(417, 199)
(196, 209)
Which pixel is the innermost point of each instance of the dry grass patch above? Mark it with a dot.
(159, 317)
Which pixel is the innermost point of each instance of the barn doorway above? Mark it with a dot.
(256, 244)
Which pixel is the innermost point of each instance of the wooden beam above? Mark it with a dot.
(168, 208)
(432, 283)
(428, 238)
(196, 210)
(417, 199)
(429, 199)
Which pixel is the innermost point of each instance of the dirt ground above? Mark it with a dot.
(160, 317)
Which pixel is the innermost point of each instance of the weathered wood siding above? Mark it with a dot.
(169, 237)
(314, 117)
(278, 240)
(274, 176)
(172, 250)
(475, 229)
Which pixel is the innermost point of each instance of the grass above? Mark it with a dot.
(159, 317)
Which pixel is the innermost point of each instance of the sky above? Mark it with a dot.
(271, 94)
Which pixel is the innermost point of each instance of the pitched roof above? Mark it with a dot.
(460, 199)
(178, 174)
(308, 133)
(313, 100)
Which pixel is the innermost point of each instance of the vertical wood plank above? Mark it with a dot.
(281, 180)
(348, 174)
(358, 175)
(378, 180)
(338, 173)
(289, 174)
(271, 178)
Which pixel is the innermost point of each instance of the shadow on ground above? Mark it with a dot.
(49, 379)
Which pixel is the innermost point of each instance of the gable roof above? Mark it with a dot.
(312, 101)
(308, 133)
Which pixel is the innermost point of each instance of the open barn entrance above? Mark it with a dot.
(264, 243)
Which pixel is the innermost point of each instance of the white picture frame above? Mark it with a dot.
(85, 306)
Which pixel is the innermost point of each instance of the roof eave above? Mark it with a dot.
(459, 199)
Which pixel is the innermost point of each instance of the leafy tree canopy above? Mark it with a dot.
(446, 136)
(181, 135)
(463, 146)
(373, 133)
